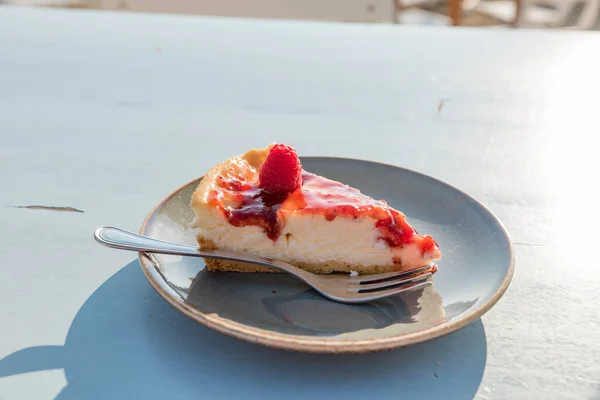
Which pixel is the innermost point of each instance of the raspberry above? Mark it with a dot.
(282, 171)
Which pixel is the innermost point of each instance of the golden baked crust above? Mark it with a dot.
(323, 268)
(249, 162)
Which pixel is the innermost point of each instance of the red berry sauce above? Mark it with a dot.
(317, 195)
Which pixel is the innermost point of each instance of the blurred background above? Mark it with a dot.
(538, 14)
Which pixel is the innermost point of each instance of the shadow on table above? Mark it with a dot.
(127, 342)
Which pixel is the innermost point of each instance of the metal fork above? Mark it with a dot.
(339, 287)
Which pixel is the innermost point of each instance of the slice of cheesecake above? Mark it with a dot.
(264, 203)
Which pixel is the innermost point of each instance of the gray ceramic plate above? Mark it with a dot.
(279, 311)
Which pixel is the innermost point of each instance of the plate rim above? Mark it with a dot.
(317, 345)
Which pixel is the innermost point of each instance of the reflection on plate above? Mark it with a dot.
(280, 311)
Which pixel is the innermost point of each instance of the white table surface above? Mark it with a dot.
(109, 112)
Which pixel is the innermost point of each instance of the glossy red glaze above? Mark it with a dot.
(317, 195)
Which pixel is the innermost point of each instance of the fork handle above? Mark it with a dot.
(121, 239)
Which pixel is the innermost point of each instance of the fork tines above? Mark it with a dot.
(375, 282)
